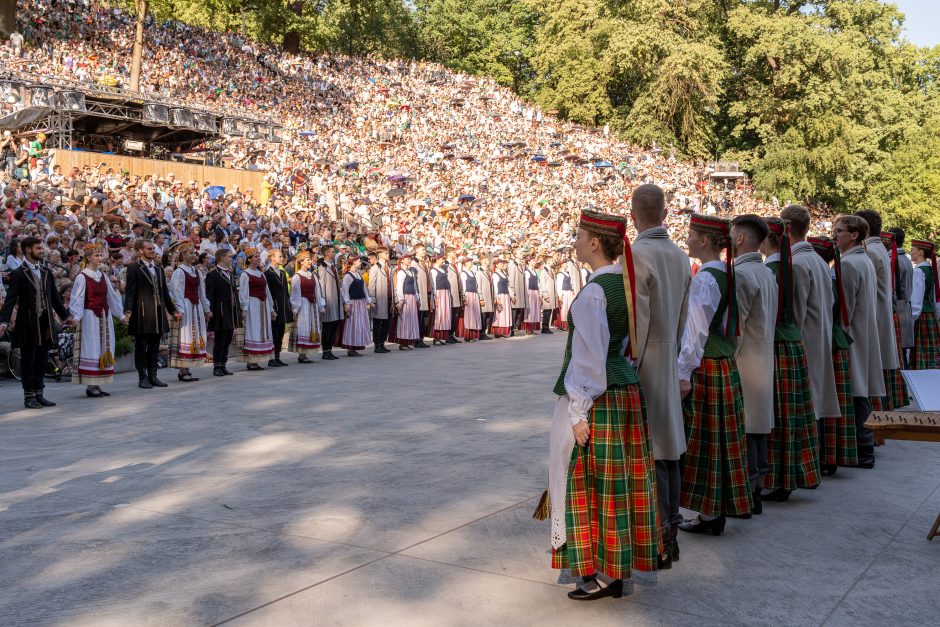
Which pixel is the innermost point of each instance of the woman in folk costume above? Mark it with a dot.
(357, 332)
(793, 448)
(602, 481)
(306, 301)
(407, 327)
(440, 285)
(188, 336)
(714, 479)
(897, 387)
(564, 286)
(838, 446)
(255, 340)
(532, 321)
(926, 293)
(502, 321)
(93, 303)
(472, 320)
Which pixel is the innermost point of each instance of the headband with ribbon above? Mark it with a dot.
(827, 249)
(891, 244)
(722, 227)
(781, 229)
(930, 250)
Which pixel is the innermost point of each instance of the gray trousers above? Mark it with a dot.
(668, 484)
(757, 462)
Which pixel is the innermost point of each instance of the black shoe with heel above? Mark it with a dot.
(715, 526)
(614, 590)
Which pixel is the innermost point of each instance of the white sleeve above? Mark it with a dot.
(115, 304)
(400, 286)
(704, 297)
(295, 293)
(586, 377)
(77, 300)
(917, 295)
(344, 286)
(369, 299)
(177, 288)
(243, 297)
(558, 284)
(206, 307)
(432, 280)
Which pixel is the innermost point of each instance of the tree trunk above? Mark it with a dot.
(138, 52)
(292, 36)
(7, 18)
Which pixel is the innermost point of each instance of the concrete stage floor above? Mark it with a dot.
(397, 490)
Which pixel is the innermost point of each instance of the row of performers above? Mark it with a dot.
(781, 359)
(322, 305)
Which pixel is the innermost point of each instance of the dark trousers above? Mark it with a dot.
(668, 484)
(518, 315)
(546, 319)
(146, 352)
(33, 367)
(328, 332)
(454, 317)
(424, 320)
(758, 464)
(865, 437)
(380, 331)
(220, 347)
(486, 319)
(277, 334)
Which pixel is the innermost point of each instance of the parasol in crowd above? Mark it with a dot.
(395, 192)
(215, 191)
(466, 198)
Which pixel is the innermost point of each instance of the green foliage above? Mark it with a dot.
(123, 342)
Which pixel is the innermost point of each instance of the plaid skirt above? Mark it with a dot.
(714, 475)
(926, 352)
(896, 389)
(839, 445)
(793, 447)
(611, 513)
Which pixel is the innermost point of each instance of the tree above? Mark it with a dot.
(138, 51)
(7, 17)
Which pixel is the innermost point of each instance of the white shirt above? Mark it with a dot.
(919, 289)
(704, 298)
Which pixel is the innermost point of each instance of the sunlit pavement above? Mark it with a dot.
(398, 490)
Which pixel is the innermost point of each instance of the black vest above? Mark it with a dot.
(566, 283)
(502, 285)
(533, 281)
(409, 285)
(357, 289)
(471, 283)
(441, 282)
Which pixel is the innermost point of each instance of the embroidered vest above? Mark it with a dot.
(308, 288)
(191, 288)
(258, 287)
(357, 289)
(718, 344)
(786, 329)
(96, 295)
(929, 305)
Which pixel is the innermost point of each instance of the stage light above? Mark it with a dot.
(71, 100)
(232, 128)
(156, 114)
(205, 122)
(41, 96)
(11, 92)
(181, 118)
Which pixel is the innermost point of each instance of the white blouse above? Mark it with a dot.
(704, 298)
(919, 289)
(77, 299)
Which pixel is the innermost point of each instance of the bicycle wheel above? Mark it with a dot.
(13, 362)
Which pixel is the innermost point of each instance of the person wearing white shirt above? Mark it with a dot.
(407, 327)
(924, 297)
(307, 303)
(189, 339)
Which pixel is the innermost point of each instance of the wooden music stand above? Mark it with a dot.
(921, 426)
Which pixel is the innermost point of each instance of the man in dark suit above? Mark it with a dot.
(278, 285)
(34, 295)
(147, 304)
(225, 311)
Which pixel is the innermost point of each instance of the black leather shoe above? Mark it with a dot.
(44, 401)
(157, 383)
(227, 372)
(421, 344)
(144, 383)
(664, 560)
(438, 343)
(547, 332)
(484, 336)
(779, 495)
(254, 367)
(103, 393)
(272, 363)
(93, 393)
(218, 372)
(280, 363)
(828, 469)
(614, 590)
(867, 464)
(31, 403)
(303, 359)
(186, 378)
(715, 526)
(758, 508)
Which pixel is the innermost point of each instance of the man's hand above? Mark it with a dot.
(582, 433)
(208, 315)
(684, 388)
(126, 317)
(273, 315)
(177, 316)
(70, 322)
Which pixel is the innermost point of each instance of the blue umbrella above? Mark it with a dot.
(215, 191)
(466, 198)
(538, 158)
(603, 164)
(352, 165)
(306, 133)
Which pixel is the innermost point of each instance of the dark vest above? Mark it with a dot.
(533, 281)
(440, 281)
(929, 296)
(566, 283)
(308, 288)
(96, 295)
(357, 289)
(471, 283)
(786, 329)
(502, 285)
(718, 344)
(191, 288)
(410, 284)
(258, 287)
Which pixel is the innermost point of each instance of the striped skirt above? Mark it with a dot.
(442, 314)
(407, 330)
(502, 320)
(793, 447)
(714, 476)
(839, 445)
(93, 350)
(566, 299)
(471, 321)
(357, 332)
(926, 352)
(611, 513)
(533, 311)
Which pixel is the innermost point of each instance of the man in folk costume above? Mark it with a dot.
(472, 320)
(925, 293)
(456, 296)
(307, 304)
(838, 444)
(602, 481)
(330, 279)
(256, 344)
(93, 303)
(189, 336)
(564, 286)
(895, 390)
(890, 243)
(813, 300)
(714, 478)
(548, 293)
(407, 331)
(147, 305)
(484, 276)
(357, 333)
(279, 287)
(903, 288)
(440, 284)
(532, 320)
(515, 270)
(504, 297)
(422, 268)
(862, 312)
(382, 293)
(756, 294)
(224, 308)
(574, 271)
(794, 443)
(662, 293)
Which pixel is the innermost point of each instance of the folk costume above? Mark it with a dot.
(357, 333)
(255, 339)
(602, 496)
(484, 279)
(329, 279)
(408, 329)
(895, 392)
(564, 286)
(897, 387)
(532, 320)
(440, 284)
(549, 297)
(456, 300)
(502, 321)
(382, 293)
(147, 299)
(307, 304)
(472, 320)
(515, 271)
(222, 293)
(425, 301)
(793, 449)
(924, 297)
(903, 289)
(279, 287)
(188, 337)
(714, 479)
(662, 294)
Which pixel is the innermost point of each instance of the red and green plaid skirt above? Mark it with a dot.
(611, 514)
(793, 447)
(926, 352)
(714, 475)
(839, 444)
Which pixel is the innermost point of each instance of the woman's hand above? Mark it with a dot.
(582, 433)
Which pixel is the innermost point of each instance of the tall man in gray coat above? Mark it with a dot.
(330, 278)
(381, 291)
(549, 293)
(516, 276)
(662, 294)
(903, 287)
(756, 292)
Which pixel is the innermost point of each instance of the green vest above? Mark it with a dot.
(619, 370)
(718, 344)
(929, 297)
(786, 329)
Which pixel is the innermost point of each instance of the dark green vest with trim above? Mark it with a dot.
(840, 337)
(786, 329)
(929, 296)
(619, 370)
(718, 344)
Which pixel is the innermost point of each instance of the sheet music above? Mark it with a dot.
(924, 386)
